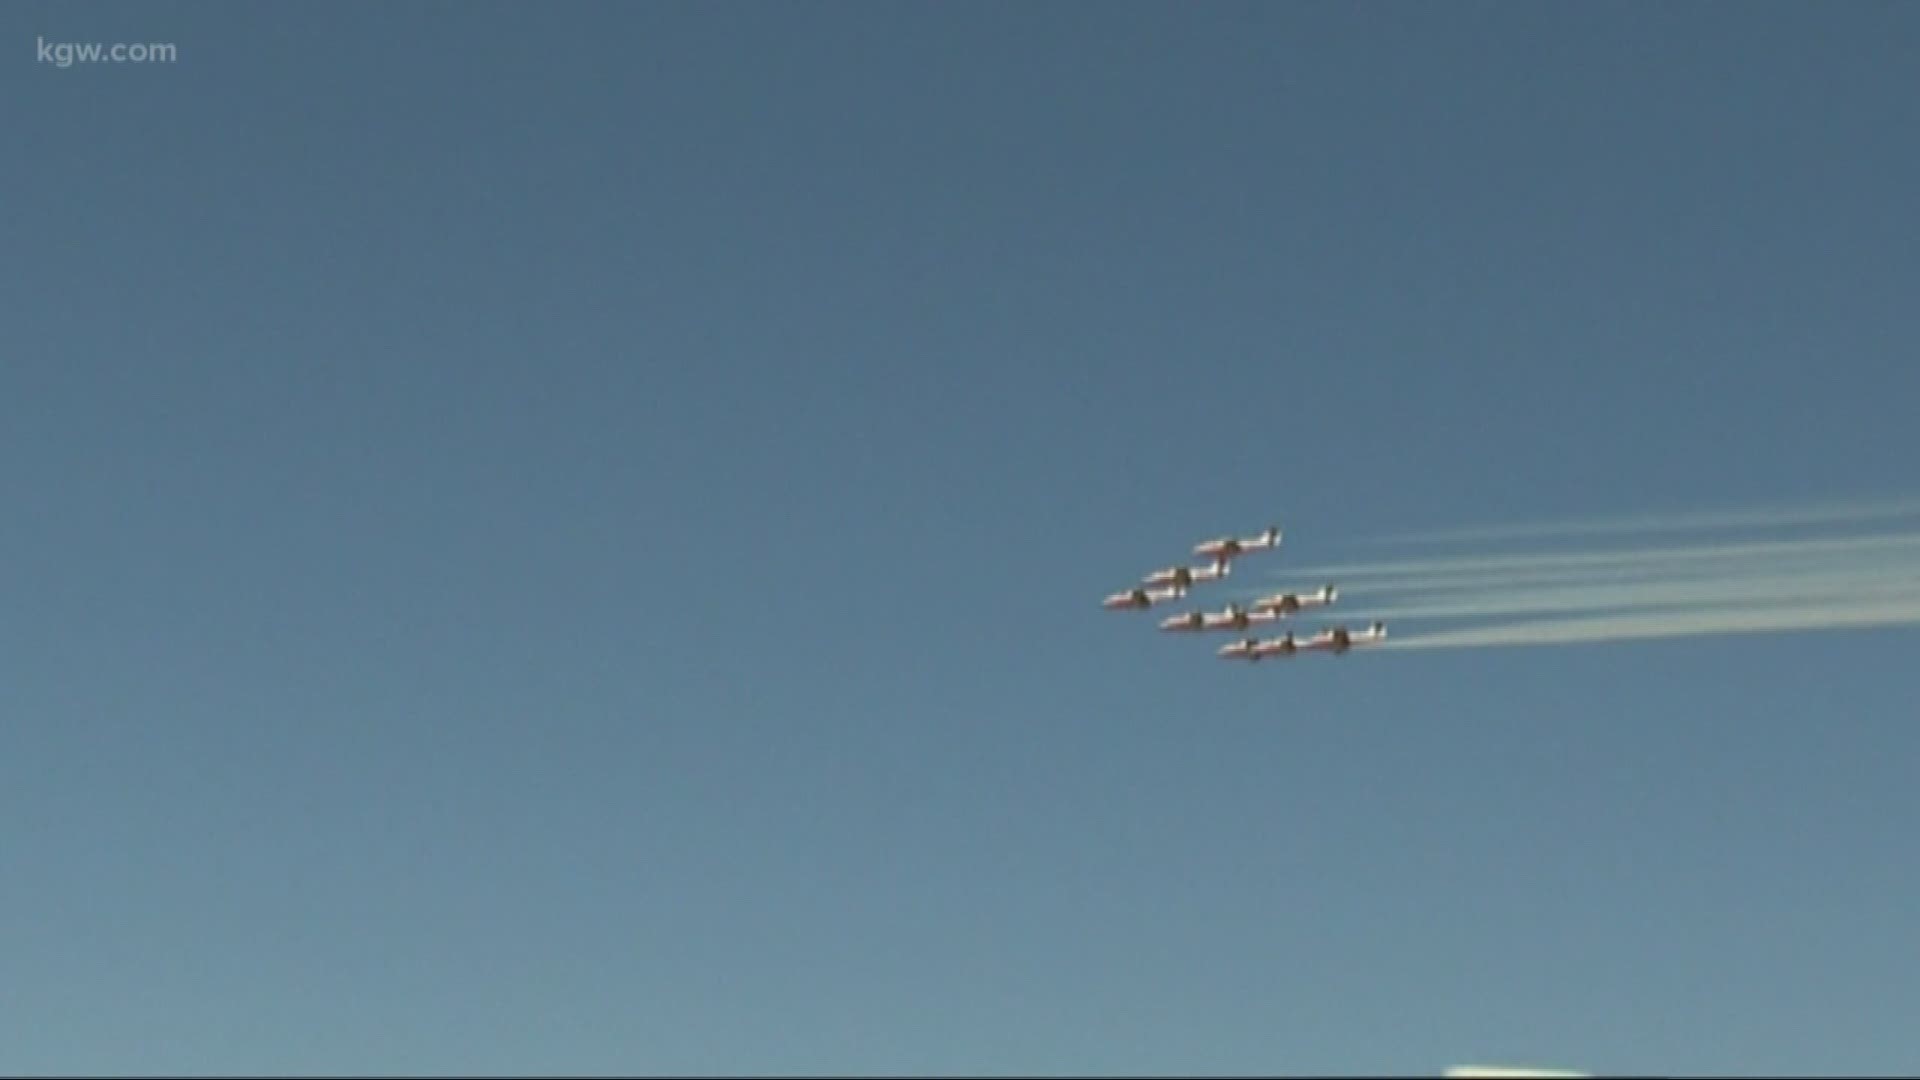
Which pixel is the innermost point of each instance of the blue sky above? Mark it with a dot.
(569, 538)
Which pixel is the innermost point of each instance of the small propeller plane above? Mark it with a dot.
(1184, 577)
(1339, 639)
(1141, 598)
(1226, 547)
(1289, 602)
(1234, 617)
(1251, 649)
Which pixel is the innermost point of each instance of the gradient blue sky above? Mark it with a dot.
(568, 538)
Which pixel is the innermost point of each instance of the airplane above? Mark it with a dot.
(1251, 649)
(1140, 598)
(1288, 603)
(1234, 618)
(1339, 639)
(1184, 576)
(1227, 547)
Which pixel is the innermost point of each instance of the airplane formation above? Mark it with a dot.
(1175, 582)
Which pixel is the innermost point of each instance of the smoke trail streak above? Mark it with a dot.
(1901, 609)
(1483, 583)
(1674, 522)
(1865, 588)
(1492, 569)
(1661, 585)
(1640, 590)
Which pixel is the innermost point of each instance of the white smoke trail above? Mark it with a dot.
(1503, 569)
(1866, 510)
(1864, 585)
(1709, 586)
(1896, 609)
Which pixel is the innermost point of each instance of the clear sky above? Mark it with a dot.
(569, 537)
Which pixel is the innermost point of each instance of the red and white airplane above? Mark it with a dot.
(1287, 603)
(1184, 577)
(1234, 618)
(1340, 639)
(1252, 650)
(1227, 547)
(1140, 598)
